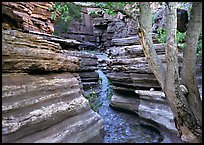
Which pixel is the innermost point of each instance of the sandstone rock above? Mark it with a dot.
(47, 108)
(132, 51)
(89, 79)
(80, 30)
(68, 44)
(123, 102)
(129, 68)
(87, 46)
(133, 80)
(154, 106)
(23, 52)
(153, 109)
(88, 60)
(27, 16)
(126, 41)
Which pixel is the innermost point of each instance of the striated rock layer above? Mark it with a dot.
(46, 108)
(130, 73)
(27, 16)
(129, 69)
(69, 48)
(42, 96)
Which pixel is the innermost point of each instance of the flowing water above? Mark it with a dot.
(121, 127)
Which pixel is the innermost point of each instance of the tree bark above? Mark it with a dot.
(188, 128)
(145, 34)
(189, 64)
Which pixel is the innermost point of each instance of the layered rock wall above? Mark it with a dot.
(42, 96)
(78, 30)
(27, 16)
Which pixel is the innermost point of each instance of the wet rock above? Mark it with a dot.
(120, 101)
(154, 106)
(153, 109)
(27, 16)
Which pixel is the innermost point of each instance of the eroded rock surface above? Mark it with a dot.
(24, 52)
(129, 68)
(153, 109)
(27, 16)
(42, 96)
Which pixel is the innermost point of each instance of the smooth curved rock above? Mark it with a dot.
(153, 109)
(42, 98)
(46, 108)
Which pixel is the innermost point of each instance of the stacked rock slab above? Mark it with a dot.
(42, 97)
(89, 61)
(129, 69)
(28, 16)
(130, 74)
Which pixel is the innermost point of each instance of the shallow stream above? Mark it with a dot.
(121, 127)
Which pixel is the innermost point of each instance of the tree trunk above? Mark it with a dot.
(145, 24)
(189, 129)
(189, 64)
(185, 120)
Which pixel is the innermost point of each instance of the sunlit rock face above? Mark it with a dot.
(42, 96)
(28, 16)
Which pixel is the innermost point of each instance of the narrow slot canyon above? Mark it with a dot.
(83, 82)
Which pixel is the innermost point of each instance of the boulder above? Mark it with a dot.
(160, 20)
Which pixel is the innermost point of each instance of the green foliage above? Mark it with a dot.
(180, 37)
(93, 99)
(161, 35)
(199, 47)
(66, 10)
(111, 8)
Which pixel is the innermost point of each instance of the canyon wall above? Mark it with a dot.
(27, 16)
(42, 92)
